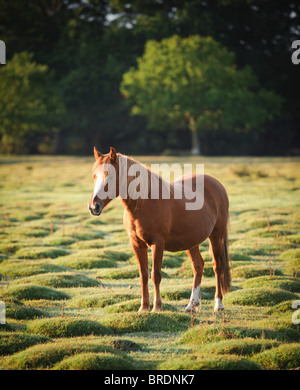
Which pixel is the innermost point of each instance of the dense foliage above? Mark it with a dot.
(60, 90)
(196, 85)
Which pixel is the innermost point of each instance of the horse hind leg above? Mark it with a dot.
(197, 264)
(219, 248)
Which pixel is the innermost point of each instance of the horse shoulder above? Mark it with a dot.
(128, 222)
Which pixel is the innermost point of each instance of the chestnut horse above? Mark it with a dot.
(165, 224)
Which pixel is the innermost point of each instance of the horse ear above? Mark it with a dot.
(96, 153)
(113, 154)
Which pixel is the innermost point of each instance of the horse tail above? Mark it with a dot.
(226, 262)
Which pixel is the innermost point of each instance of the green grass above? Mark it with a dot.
(59, 280)
(18, 268)
(284, 357)
(279, 282)
(34, 292)
(200, 335)
(212, 362)
(127, 306)
(253, 271)
(259, 296)
(99, 300)
(66, 327)
(12, 342)
(20, 311)
(291, 254)
(90, 258)
(47, 355)
(40, 253)
(244, 347)
(95, 361)
(71, 285)
(126, 272)
(129, 322)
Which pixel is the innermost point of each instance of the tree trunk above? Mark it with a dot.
(195, 142)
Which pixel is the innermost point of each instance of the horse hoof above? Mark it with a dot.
(188, 309)
(156, 309)
(143, 309)
(217, 309)
(191, 307)
(219, 305)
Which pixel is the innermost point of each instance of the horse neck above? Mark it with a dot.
(133, 205)
(125, 163)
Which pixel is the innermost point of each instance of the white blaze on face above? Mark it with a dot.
(105, 182)
(98, 184)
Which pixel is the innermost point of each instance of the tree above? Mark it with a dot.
(194, 83)
(29, 104)
(88, 45)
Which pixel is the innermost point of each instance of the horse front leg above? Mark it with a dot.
(141, 254)
(157, 256)
(198, 264)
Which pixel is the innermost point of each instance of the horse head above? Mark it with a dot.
(105, 176)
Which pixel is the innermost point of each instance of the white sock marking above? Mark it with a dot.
(194, 299)
(219, 304)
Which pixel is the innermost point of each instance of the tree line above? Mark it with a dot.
(214, 77)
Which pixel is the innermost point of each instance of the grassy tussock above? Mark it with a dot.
(12, 342)
(284, 357)
(31, 291)
(207, 334)
(259, 296)
(19, 268)
(211, 362)
(59, 280)
(125, 272)
(98, 300)
(49, 354)
(92, 258)
(253, 271)
(71, 286)
(243, 347)
(22, 312)
(95, 361)
(66, 327)
(146, 322)
(279, 282)
(40, 253)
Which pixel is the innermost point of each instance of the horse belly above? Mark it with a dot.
(192, 227)
(189, 232)
(177, 245)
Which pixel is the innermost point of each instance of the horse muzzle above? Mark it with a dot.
(95, 208)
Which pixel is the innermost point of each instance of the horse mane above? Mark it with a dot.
(149, 176)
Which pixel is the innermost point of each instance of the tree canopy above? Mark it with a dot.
(30, 105)
(86, 46)
(194, 83)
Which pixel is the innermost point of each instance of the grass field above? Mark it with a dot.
(71, 288)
